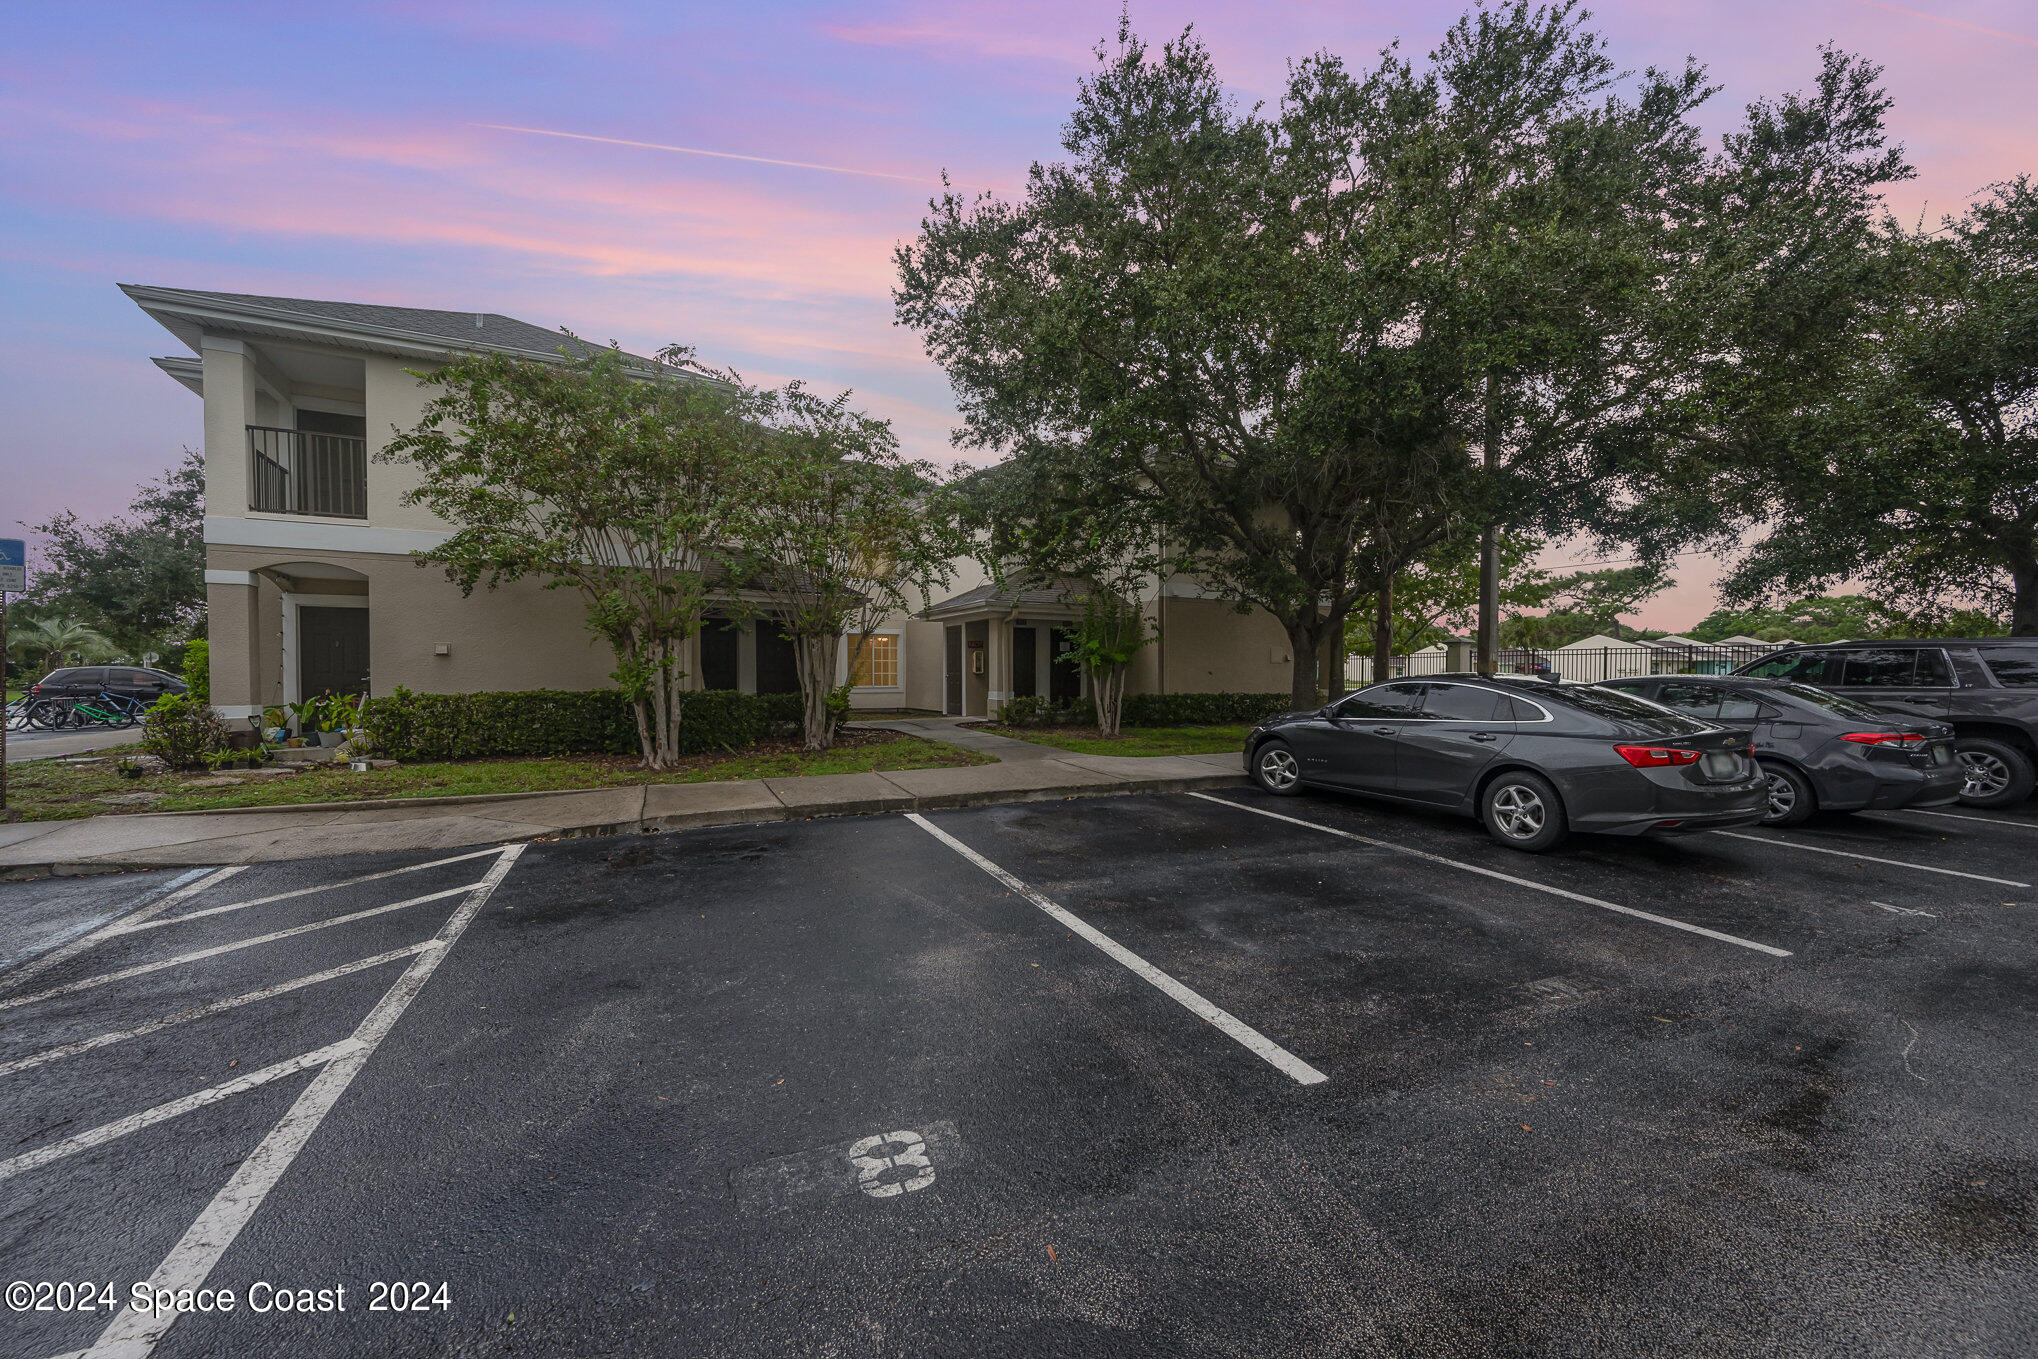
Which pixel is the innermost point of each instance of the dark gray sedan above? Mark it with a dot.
(1819, 750)
(1531, 759)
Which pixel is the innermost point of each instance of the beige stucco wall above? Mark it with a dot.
(518, 637)
(1207, 646)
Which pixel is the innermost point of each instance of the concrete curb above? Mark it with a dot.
(676, 821)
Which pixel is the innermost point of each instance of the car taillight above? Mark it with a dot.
(1883, 738)
(1655, 757)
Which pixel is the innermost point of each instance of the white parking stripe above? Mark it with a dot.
(132, 926)
(148, 1118)
(1252, 1039)
(1649, 916)
(1963, 816)
(207, 1011)
(131, 1335)
(184, 888)
(1869, 858)
(145, 968)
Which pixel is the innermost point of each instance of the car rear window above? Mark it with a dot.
(1805, 667)
(1830, 701)
(1464, 703)
(1619, 707)
(2015, 667)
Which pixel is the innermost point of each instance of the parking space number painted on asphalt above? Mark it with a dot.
(870, 1160)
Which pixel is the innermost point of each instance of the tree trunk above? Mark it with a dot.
(2024, 599)
(1107, 690)
(1383, 631)
(1302, 686)
(816, 657)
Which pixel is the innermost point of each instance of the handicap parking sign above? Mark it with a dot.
(13, 565)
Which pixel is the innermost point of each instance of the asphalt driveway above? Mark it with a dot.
(1186, 1075)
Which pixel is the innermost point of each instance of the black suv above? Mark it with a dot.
(90, 681)
(1986, 687)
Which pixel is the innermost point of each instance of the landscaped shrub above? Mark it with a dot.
(197, 669)
(184, 732)
(538, 722)
(1037, 710)
(1189, 710)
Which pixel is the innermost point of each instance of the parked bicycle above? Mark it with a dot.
(107, 710)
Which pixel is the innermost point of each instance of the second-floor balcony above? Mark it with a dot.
(295, 471)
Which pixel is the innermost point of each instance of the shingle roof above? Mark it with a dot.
(1060, 592)
(457, 329)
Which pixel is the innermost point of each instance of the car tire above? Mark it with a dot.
(1522, 811)
(1791, 798)
(1998, 774)
(1276, 770)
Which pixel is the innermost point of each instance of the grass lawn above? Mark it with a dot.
(45, 790)
(1133, 740)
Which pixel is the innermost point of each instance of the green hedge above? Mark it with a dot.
(538, 722)
(196, 667)
(1190, 710)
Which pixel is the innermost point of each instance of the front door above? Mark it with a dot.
(332, 651)
(1064, 676)
(1914, 681)
(778, 667)
(951, 671)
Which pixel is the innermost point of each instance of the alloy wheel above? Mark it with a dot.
(1782, 797)
(1519, 811)
(1987, 774)
(1279, 769)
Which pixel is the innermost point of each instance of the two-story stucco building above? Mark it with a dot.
(311, 588)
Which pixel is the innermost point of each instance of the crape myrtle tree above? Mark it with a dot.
(830, 534)
(1034, 518)
(1205, 311)
(603, 474)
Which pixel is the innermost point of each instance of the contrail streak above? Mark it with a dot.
(1950, 23)
(698, 151)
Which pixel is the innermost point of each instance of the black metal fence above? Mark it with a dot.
(1581, 665)
(295, 471)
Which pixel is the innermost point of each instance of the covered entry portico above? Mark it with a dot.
(1002, 642)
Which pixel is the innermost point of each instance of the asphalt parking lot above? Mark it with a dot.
(1186, 1075)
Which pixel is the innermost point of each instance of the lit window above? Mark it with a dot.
(877, 665)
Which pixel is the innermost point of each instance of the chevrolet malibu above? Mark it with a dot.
(1531, 759)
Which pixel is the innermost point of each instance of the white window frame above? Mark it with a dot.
(898, 637)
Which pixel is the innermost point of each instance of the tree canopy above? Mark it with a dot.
(138, 579)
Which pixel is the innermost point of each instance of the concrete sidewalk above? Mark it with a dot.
(108, 844)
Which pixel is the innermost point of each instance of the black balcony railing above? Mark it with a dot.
(294, 471)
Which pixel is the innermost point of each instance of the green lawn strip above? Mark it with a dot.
(44, 790)
(1134, 740)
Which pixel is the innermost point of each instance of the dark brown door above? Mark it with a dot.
(1024, 657)
(778, 669)
(718, 654)
(332, 651)
(1064, 677)
(951, 671)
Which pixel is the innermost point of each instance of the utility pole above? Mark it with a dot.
(1489, 544)
(13, 577)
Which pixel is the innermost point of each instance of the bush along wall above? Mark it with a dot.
(1146, 710)
(1189, 710)
(539, 722)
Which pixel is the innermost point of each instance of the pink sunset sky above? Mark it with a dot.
(737, 179)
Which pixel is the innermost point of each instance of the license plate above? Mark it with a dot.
(1942, 754)
(1721, 765)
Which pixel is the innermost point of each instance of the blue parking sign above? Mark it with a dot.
(13, 565)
